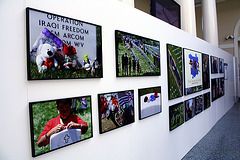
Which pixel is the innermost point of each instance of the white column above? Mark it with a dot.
(210, 28)
(128, 2)
(188, 17)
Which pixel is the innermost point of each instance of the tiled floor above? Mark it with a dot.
(223, 140)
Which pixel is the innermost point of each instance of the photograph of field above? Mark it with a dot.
(136, 56)
(44, 113)
(176, 115)
(175, 75)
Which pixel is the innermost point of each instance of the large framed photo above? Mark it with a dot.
(116, 109)
(214, 64)
(189, 108)
(136, 55)
(206, 72)
(60, 122)
(175, 71)
(149, 102)
(176, 115)
(192, 71)
(59, 47)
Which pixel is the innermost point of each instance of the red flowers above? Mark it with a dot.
(69, 50)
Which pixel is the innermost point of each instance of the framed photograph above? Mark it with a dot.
(206, 72)
(206, 100)
(214, 64)
(221, 86)
(60, 122)
(175, 71)
(225, 71)
(198, 104)
(221, 65)
(59, 47)
(176, 115)
(149, 102)
(166, 10)
(215, 88)
(136, 55)
(189, 108)
(192, 71)
(116, 109)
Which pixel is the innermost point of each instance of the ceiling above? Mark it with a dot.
(199, 2)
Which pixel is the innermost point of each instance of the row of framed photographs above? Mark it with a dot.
(184, 111)
(59, 47)
(60, 122)
(189, 71)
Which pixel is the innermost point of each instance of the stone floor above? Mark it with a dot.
(223, 140)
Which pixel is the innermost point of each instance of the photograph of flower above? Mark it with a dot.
(136, 55)
(59, 47)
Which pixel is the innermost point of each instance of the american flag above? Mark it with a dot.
(125, 98)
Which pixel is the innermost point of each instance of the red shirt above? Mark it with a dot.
(55, 121)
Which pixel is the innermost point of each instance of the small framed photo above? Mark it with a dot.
(189, 108)
(221, 65)
(149, 102)
(214, 64)
(136, 55)
(215, 89)
(176, 115)
(175, 71)
(206, 100)
(59, 47)
(221, 86)
(206, 71)
(116, 109)
(192, 71)
(59, 122)
(198, 104)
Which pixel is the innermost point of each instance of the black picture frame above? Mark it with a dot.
(221, 65)
(167, 10)
(176, 115)
(221, 87)
(215, 89)
(192, 71)
(206, 71)
(150, 102)
(189, 108)
(175, 71)
(116, 109)
(206, 100)
(136, 55)
(214, 65)
(59, 47)
(199, 104)
(44, 116)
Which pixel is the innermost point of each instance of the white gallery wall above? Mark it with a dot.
(144, 139)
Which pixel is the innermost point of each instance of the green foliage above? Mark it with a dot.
(43, 112)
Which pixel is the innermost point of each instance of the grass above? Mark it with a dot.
(43, 112)
(146, 68)
(58, 73)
